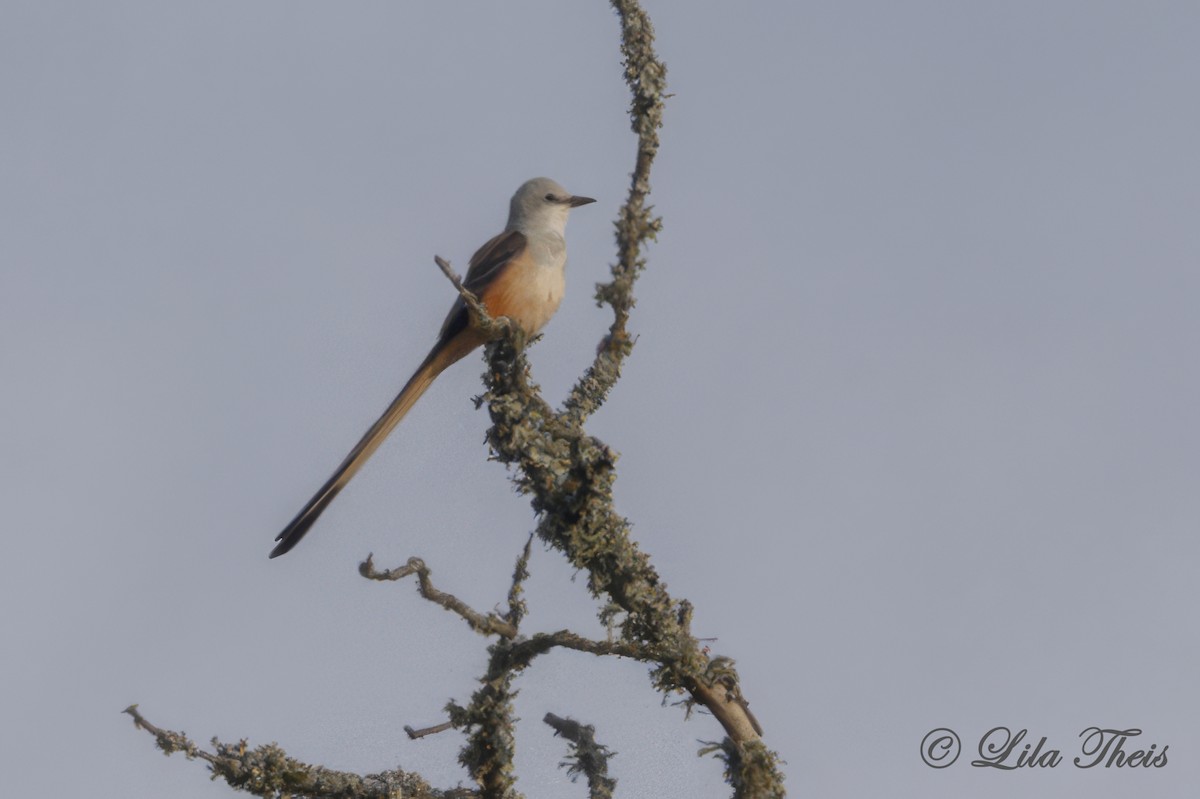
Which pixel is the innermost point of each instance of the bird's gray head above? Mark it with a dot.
(541, 206)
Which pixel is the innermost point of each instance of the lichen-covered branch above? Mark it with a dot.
(588, 757)
(484, 624)
(750, 768)
(268, 771)
(526, 649)
(488, 718)
(489, 721)
(569, 474)
(636, 225)
(516, 600)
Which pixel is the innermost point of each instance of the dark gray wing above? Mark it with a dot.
(487, 264)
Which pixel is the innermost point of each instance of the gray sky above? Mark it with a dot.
(911, 419)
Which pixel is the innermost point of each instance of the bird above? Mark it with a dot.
(519, 273)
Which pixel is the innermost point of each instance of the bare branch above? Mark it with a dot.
(489, 624)
(434, 730)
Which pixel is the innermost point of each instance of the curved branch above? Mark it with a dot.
(570, 474)
(524, 651)
(636, 226)
(489, 624)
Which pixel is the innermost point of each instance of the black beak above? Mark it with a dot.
(575, 202)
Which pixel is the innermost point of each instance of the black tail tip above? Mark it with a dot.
(305, 519)
(282, 548)
(290, 537)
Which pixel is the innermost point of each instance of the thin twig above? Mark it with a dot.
(491, 328)
(636, 224)
(434, 730)
(484, 624)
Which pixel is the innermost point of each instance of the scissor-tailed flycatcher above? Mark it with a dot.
(518, 274)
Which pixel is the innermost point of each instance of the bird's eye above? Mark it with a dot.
(550, 198)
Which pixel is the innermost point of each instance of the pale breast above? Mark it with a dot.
(527, 292)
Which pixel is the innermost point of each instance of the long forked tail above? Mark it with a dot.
(442, 355)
